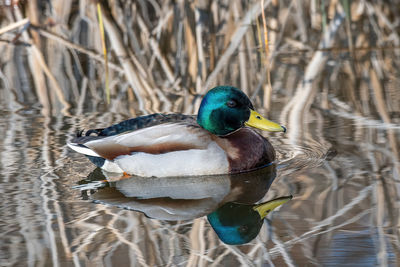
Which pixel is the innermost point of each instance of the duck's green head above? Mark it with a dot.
(237, 224)
(225, 109)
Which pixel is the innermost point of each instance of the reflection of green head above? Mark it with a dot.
(223, 110)
(237, 224)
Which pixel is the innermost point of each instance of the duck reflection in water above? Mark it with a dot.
(237, 224)
(228, 200)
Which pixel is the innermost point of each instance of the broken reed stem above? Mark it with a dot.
(14, 25)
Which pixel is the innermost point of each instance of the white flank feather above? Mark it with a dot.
(208, 161)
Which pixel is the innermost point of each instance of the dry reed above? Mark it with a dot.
(330, 63)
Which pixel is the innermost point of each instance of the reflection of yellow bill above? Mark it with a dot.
(259, 122)
(264, 208)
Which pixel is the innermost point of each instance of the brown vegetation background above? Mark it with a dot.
(329, 71)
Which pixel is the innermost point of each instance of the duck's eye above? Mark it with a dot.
(231, 103)
(243, 228)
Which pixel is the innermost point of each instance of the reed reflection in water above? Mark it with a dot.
(334, 84)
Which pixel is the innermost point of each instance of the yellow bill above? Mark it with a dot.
(259, 122)
(264, 208)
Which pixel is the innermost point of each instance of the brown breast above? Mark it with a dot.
(246, 149)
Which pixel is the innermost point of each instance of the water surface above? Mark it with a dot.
(344, 207)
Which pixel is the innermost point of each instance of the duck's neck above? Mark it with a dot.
(246, 149)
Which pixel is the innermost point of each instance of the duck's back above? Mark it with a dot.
(135, 124)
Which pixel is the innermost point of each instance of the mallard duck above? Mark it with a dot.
(237, 224)
(218, 141)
